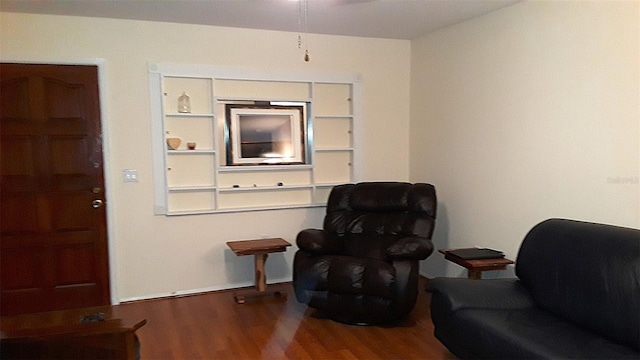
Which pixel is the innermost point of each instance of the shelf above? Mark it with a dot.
(252, 99)
(191, 152)
(266, 188)
(242, 209)
(191, 188)
(325, 185)
(189, 115)
(263, 168)
(333, 149)
(347, 116)
(190, 212)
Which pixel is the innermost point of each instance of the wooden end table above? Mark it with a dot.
(477, 266)
(260, 249)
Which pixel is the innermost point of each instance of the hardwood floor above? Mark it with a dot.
(213, 326)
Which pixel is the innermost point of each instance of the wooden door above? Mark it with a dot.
(53, 242)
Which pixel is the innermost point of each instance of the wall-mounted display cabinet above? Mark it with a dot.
(250, 140)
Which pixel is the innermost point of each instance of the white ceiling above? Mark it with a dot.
(393, 19)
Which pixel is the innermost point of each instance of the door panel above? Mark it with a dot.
(53, 243)
(15, 101)
(64, 100)
(72, 258)
(18, 217)
(73, 213)
(20, 259)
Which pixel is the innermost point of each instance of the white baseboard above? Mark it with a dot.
(189, 292)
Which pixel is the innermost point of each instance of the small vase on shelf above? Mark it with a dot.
(184, 103)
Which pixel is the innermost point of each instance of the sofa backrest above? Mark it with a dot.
(379, 212)
(587, 273)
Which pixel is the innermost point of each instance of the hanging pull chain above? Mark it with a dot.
(306, 30)
(303, 27)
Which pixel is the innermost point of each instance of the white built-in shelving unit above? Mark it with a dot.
(199, 181)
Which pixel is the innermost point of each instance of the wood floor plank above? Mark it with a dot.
(213, 326)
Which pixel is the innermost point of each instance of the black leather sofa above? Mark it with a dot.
(362, 267)
(576, 295)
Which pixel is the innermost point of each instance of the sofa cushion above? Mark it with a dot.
(524, 333)
(453, 294)
(586, 273)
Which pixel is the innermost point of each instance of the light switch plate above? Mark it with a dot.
(130, 175)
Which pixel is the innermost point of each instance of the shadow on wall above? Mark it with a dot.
(240, 269)
(509, 272)
(435, 265)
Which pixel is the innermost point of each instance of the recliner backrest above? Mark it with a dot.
(587, 273)
(378, 212)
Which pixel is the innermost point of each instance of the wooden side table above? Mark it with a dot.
(260, 249)
(477, 266)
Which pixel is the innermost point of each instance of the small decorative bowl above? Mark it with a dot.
(173, 143)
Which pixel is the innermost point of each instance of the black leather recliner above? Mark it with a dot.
(362, 267)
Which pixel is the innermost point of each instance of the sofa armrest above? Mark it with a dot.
(458, 293)
(319, 242)
(411, 248)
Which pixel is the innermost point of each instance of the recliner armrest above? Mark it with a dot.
(319, 241)
(458, 293)
(411, 248)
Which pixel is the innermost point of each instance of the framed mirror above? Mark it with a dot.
(265, 134)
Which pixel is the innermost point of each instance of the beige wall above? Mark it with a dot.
(156, 255)
(524, 114)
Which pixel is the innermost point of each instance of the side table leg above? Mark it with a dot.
(261, 281)
(261, 276)
(474, 275)
(238, 298)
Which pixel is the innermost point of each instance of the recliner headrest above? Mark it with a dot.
(385, 197)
